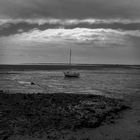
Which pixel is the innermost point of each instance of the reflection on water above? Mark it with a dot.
(105, 81)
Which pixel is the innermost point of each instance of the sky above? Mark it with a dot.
(43, 31)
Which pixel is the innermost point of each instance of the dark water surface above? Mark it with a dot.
(107, 81)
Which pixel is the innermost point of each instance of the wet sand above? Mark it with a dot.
(60, 116)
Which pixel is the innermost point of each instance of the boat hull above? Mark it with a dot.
(71, 74)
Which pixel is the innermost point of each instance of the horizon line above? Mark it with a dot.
(65, 64)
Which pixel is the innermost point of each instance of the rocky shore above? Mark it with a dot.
(40, 115)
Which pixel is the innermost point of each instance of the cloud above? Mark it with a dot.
(34, 27)
(89, 45)
(99, 37)
(12, 26)
(41, 21)
(70, 8)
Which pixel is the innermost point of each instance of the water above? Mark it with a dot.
(109, 82)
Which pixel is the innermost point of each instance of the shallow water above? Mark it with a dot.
(110, 82)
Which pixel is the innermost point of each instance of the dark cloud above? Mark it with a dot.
(131, 26)
(14, 28)
(11, 28)
(70, 8)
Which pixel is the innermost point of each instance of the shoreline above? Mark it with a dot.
(30, 67)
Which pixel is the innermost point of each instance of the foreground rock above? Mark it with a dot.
(39, 114)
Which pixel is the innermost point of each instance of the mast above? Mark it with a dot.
(70, 58)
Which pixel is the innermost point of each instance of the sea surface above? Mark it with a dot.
(114, 82)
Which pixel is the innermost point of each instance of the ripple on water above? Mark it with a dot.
(100, 82)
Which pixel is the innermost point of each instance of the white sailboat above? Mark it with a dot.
(71, 73)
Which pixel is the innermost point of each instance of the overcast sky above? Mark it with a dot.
(42, 31)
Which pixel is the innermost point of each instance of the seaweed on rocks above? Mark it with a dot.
(38, 114)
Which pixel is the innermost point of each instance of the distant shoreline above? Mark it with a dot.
(63, 66)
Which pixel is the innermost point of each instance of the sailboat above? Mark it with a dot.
(71, 73)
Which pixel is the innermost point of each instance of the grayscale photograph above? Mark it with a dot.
(69, 69)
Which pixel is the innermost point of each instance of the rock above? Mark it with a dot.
(32, 83)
